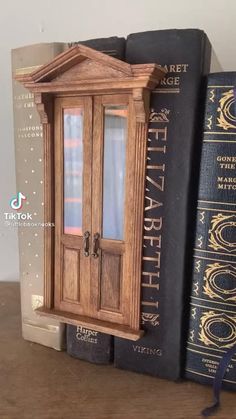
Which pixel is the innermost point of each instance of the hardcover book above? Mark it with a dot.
(84, 343)
(89, 345)
(172, 163)
(28, 135)
(113, 46)
(212, 328)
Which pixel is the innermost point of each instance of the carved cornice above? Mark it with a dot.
(44, 107)
(90, 72)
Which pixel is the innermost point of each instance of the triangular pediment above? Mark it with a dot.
(80, 63)
(90, 69)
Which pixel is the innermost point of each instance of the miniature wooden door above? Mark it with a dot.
(94, 110)
(93, 181)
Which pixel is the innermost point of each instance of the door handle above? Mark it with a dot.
(95, 245)
(86, 243)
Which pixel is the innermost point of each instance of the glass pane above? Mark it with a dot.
(73, 168)
(115, 132)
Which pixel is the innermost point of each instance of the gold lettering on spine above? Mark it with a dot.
(174, 79)
(152, 224)
(150, 277)
(153, 203)
(162, 167)
(160, 149)
(150, 304)
(159, 185)
(156, 261)
(159, 132)
(152, 241)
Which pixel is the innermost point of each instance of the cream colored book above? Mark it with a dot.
(28, 135)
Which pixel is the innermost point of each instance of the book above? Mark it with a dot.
(28, 137)
(113, 46)
(84, 343)
(89, 345)
(212, 326)
(172, 164)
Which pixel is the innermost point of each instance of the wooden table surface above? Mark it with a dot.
(39, 382)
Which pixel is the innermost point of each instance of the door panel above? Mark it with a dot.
(71, 275)
(73, 153)
(109, 278)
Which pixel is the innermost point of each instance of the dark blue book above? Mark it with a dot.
(171, 191)
(85, 343)
(212, 328)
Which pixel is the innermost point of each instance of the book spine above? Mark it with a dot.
(28, 137)
(173, 153)
(212, 327)
(84, 343)
(113, 46)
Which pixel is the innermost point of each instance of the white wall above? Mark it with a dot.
(28, 21)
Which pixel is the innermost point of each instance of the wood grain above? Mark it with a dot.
(71, 275)
(41, 377)
(72, 241)
(110, 328)
(88, 69)
(109, 284)
(49, 208)
(111, 281)
(99, 297)
(78, 54)
(138, 202)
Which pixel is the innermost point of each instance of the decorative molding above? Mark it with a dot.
(82, 72)
(44, 107)
(141, 99)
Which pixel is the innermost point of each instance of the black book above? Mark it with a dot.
(89, 345)
(113, 46)
(85, 343)
(212, 328)
(172, 165)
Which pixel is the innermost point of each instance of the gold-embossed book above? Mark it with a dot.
(212, 328)
(28, 135)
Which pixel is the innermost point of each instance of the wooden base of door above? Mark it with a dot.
(99, 325)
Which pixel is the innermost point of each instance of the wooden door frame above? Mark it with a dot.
(138, 131)
(116, 77)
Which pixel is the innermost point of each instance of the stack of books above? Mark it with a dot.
(188, 293)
